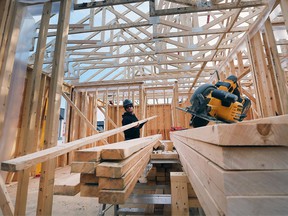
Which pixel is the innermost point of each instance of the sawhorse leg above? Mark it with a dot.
(103, 209)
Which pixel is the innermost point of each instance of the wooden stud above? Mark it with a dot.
(179, 193)
(284, 8)
(45, 196)
(30, 110)
(260, 76)
(277, 75)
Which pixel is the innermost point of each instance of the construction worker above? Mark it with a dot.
(129, 117)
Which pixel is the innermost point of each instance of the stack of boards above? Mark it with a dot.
(110, 172)
(238, 169)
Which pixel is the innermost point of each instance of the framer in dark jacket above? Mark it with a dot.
(134, 132)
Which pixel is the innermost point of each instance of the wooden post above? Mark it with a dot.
(45, 196)
(176, 104)
(261, 77)
(141, 104)
(4, 18)
(179, 193)
(284, 8)
(277, 75)
(232, 67)
(118, 114)
(27, 138)
(106, 110)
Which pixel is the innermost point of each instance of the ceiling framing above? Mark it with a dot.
(155, 41)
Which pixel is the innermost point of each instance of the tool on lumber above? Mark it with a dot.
(221, 102)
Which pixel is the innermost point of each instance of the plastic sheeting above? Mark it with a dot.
(9, 135)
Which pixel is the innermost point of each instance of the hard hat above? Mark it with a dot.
(232, 78)
(127, 102)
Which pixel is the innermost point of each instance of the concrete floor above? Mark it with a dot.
(62, 205)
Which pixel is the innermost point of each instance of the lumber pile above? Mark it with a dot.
(238, 169)
(110, 172)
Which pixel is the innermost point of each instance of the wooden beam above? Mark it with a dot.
(284, 7)
(239, 158)
(68, 186)
(124, 180)
(261, 77)
(120, 196)
(204, 8)
(277, 75)
(253, 29)
(106, 28)
(105, 3)
(179, 193)
(268, 131)
(117, 169)
(29, 160)
(126, 148)
(45, 195)
(28, 129)
(219, 183)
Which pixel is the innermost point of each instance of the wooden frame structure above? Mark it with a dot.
(155, 52)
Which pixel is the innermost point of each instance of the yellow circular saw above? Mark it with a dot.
(219, 103)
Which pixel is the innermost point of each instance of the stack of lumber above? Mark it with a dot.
(238, 169)
(110, 172)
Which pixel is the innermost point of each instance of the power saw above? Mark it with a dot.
(219, 103)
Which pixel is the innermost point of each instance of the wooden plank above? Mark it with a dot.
(120, 196)
(284, 7)
(194, 203)
(124, 149)
(164, 155)
(239, 158)
(5, 201)
(83, 167)
(258, 205)
(121, 183)
(168, 145)
(221, 184)
(88, 178)
(277, 75)
(261, 77)
(88, 155)
(270, 131)
(206, 201)
(179, 193)
(233, 183)
(69, 186)
(29, 160)
(89, 190)
(117, 169)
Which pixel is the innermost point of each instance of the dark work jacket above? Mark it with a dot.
(132, 133)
